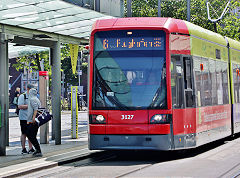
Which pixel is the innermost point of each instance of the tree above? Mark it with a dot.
(31, 60)
(228, 26)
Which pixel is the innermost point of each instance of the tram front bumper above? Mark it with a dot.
(130, 142)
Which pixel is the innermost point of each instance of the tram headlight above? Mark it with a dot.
(97, 119)
(160, 119)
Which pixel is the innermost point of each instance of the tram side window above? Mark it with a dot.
(188, 74)
(177, 82)
(196, 69)
(198, 87)
(203, 82)
(206, 84)
(206, 89)
(213, 78)
(236, 79)
(219, 82)
(225, 83)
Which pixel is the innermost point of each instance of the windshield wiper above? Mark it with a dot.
(105, 88)
(159, 99)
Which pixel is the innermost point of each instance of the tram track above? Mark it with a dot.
(90, 159)
(69, 165)
(133, 163)
(233, 172)
(128, 173)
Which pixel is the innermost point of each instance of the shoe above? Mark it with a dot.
(31, 151)
(24, 151)
(37, 153)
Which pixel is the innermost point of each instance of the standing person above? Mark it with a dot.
(23, 113)
(15, 99)
(32, 128)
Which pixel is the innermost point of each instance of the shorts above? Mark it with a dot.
(23, 124)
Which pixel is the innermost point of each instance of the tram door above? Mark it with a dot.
(182, 90)
(182, 82)
(176, 82)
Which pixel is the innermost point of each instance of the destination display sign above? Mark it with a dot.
(132, 43)
(130, 40)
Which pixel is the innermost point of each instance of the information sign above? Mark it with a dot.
(74, 111)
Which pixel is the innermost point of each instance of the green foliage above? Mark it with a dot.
(85, 67)
(67, 68)
(64, 104)
(144, 8)
(228, 26)
(31, 61)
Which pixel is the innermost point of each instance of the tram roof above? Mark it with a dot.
(173, 25)
(203, 33)
(56, 19)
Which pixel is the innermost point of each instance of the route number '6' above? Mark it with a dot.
(127, 117)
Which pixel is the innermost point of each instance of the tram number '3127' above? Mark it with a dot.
(127, 117)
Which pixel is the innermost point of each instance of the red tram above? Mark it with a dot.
(161, 84)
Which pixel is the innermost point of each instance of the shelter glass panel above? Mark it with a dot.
(49, 16)
(20, 11)
(54, 5)
(68, 26)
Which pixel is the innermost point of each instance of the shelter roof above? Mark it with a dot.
(53, 18)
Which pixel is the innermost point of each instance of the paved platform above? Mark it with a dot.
(14, 163)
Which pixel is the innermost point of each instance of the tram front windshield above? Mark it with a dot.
(129, 70)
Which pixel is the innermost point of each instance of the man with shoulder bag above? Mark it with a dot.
(23, 112)
(32, 129)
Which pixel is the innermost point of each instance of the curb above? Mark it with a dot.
(43, 163)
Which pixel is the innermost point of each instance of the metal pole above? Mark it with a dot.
(53, 121)
(7, 97)
(56, 91)
(129, 8)
(159, 8)
(79, 62)
(188, 10)
(97, 5)
(3, 96)
(79, 80)
(79, 76)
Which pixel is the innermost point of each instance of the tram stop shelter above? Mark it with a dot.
(45, 23)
